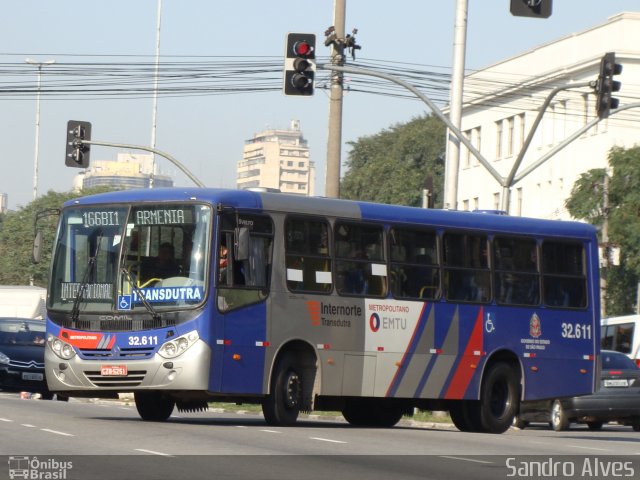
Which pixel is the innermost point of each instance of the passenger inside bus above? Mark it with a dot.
(165, 263)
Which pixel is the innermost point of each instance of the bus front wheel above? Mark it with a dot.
(499, 398)
(282, 406)
(153, 406)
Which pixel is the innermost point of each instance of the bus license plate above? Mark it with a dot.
(33, 376)
(113, 371)
(616, 382)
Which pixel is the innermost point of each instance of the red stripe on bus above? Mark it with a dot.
(467, 366)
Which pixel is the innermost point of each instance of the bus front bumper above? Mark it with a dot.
(188, 371)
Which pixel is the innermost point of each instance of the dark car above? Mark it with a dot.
(22, 356)
(617, 399)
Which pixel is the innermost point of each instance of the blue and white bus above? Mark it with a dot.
(187, 296)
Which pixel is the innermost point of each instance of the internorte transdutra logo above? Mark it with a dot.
(34, 468)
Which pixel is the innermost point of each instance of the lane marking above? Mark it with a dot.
(5, 420)
(152, 452)
(590, 448)
(240, 426)
(28, 425)
(57, 432)
(326, 440)
(269, 431)
(464, 459)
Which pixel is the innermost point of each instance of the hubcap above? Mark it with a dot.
(555, 414)
(292, 397)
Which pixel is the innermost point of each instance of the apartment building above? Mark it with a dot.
(277, 159)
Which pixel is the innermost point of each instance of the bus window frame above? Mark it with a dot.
(245, 295)
(368, 262)
(328, 257)
(436, 263)
(488, 236)
(535, 272)
(583, 276)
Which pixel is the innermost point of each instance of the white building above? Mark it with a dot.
(501, 102)
(128, 171)
(278, 159)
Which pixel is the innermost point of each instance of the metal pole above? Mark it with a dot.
(154, 109)
(432, 106)
(455, 109)
(184, 169)
(334, 140)
(36, 154)
(605, 245)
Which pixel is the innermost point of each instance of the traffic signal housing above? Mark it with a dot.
(606, 85)
(77, 152)
(531, 8)
(299, 64)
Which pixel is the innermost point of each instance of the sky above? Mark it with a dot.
(207, 132)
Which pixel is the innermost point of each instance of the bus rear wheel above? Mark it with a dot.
(465, 415)
(362, 412)
(499, 398)
(153, 406)
(282, 406)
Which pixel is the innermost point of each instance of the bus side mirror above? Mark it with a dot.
(36, 254)
(242, 244)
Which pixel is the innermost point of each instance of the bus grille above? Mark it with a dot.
(133, 379)
(118, 325)
(136, 353)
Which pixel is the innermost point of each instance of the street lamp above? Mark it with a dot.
(35, 161)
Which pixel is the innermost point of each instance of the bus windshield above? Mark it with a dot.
(137, 258)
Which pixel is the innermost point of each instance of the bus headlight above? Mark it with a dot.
(60, 348)
(178, 346)
(4, 360)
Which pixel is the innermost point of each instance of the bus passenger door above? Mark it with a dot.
(244, 267)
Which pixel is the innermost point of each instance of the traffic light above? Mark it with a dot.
(299, 64)
(606, 85)
(531, 8)
(77, 152)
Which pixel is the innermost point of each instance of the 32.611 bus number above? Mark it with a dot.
(576, 331)
(143, 341)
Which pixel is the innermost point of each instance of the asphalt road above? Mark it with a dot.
(108, 440)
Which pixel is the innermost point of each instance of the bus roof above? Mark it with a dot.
(344, 208)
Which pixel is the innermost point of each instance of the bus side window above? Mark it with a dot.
(467, 275)
(360, 267)
(414, 262)
(308, 264)
(517, 281)
(243, 276)
(564, 279)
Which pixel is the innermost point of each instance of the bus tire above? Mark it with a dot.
(355, 412)
(499, 398)
(282, 406)
(366, 412)
(153, 406)
(465, 415)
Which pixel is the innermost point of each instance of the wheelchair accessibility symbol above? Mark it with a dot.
(488, 325)
(124, 302)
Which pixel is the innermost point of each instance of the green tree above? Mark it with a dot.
(393, 165)
(16, 238)
(587, 203)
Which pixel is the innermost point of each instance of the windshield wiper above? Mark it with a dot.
(154, 314)
(75, 310)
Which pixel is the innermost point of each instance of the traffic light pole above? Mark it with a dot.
(436, 111)
(505, 182)
(182, 168)
(334, 137)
